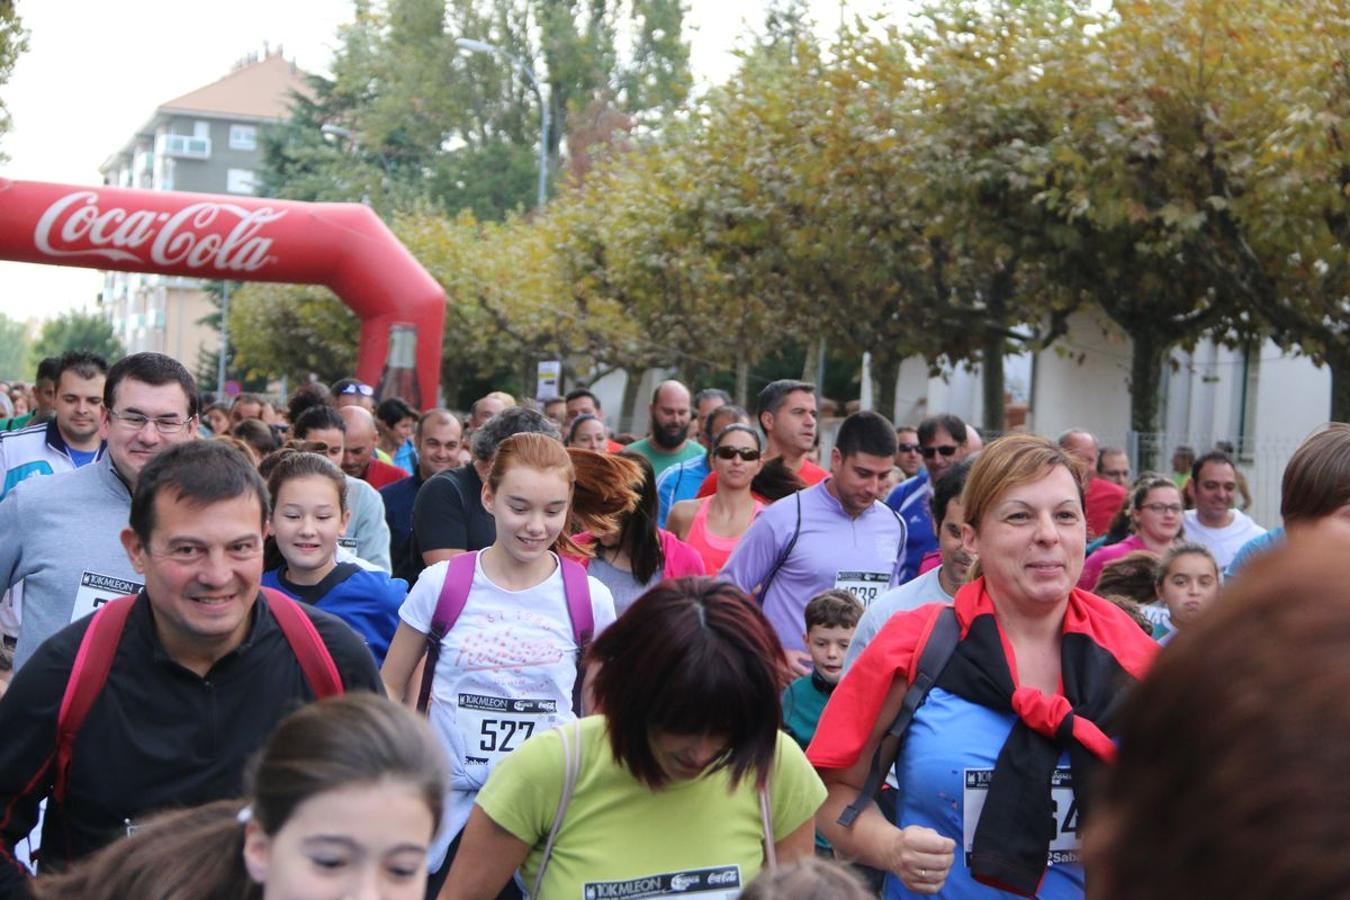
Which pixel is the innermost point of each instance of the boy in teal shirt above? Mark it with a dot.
(831, 617)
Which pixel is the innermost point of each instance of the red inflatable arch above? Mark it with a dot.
(341, 245)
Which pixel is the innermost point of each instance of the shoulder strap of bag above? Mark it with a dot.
(937, 649)
(309, 649)
(577, 589)
(572, 759)
(766, 819)
(93, 661)
(449, 604)
(782, 557)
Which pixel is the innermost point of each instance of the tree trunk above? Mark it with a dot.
(815, 352)
(743, 383)
(991, 383)
(887, 372)
(1340, 388)
(1145, 382)
(628, 408)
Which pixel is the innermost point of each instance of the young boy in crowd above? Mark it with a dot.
(831, 617)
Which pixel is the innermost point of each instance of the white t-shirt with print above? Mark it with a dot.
(506, 671)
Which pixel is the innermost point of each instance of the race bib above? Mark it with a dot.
(494, 726)
(721, 883)
(1064, 846)
(96, 590)
(866, 586)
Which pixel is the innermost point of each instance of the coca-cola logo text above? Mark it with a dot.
(75, 226)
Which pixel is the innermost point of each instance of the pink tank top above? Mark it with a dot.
(711, 547)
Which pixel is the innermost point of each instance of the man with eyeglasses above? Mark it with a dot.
(62, 534)
(1113, 464)
(908, 459)
(944, 440)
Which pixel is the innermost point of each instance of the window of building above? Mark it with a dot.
(240, 181)
(243, 137)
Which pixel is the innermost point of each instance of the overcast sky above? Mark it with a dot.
(96, 70)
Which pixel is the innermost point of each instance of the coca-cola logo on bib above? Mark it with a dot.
(75, 226)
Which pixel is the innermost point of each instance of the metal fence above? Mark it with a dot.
(1261, 463)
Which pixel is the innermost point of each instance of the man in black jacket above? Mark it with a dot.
(201, 674)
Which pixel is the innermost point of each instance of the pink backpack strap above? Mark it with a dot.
(93, 661)
(577, 589)
(309, 649)
(449, 604)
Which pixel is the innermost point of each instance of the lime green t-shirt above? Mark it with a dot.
(619, 838)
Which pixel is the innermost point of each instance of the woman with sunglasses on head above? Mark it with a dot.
(713, 525)
(637, 554)
(1155, 523)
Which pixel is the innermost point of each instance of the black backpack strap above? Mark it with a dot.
(941, 644)
(782, 557)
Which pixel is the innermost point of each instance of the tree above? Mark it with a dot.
(77, 331)
(14, 361)
(1176, 175)
(13, 42)
(415, 123)
(292, 330)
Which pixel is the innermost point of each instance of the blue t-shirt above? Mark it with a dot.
(678, 483)
(949, 753)
(366, 599)
(81, 457)
(910, 499)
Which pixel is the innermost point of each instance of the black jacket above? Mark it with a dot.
(159, 736)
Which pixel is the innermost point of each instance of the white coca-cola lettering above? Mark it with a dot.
(183, 239)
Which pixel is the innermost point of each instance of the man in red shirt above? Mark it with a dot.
(786, 410)
(358, 459)
(1101, 498)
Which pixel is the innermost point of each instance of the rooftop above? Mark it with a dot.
(260, 90)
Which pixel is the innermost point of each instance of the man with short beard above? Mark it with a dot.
(668, 444)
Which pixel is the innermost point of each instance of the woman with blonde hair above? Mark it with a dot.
(1018, 718)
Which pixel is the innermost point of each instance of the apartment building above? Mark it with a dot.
(206, 141)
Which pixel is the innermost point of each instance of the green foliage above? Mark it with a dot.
(14, 361)
(13, 42)
(951, 190)
(413, 122)
(76, 331)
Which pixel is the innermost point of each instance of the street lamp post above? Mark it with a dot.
(474, 46)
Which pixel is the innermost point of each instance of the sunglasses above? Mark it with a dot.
(364, 390)
(908, 448)
(744, 453)
(930, 452)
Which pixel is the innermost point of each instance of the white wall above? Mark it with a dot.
(1083, 381)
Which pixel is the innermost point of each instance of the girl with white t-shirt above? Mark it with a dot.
(508, 664)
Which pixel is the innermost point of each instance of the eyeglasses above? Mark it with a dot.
(945, 450)
(908, 448)
(357, 387)
(163, 424)
(1175, 509)
(744, 453)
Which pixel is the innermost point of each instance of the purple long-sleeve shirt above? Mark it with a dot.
(833, 549)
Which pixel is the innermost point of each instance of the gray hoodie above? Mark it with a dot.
(61, 536)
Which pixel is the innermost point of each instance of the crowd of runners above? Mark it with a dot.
(336, 646)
